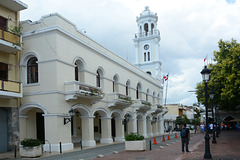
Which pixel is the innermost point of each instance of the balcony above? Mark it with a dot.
(10, 89)
(158, 109)
(75, 89)
(118, 100)
(147, 34)
(9, 42)
(141, 105)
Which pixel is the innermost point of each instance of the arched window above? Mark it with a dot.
(98, 79)
(138, 89)
(76, 72)
(146, 29)
(127, 87)
(152, 27)
(32, 70)
(115, 83)
(147, 94)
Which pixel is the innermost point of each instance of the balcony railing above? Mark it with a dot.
(142, 105)
(119, 100)
(147, 34)
(9, 37)
(9, 42)
(10, 88)
(75, 89)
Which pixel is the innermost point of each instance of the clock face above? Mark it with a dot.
(146, 46)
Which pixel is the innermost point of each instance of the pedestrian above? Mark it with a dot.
(185, 137)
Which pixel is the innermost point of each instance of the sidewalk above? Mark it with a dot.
(227, 148)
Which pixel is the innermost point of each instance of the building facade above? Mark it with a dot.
(10, 86)
(64, 72)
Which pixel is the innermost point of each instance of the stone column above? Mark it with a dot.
(161, 124)
(87, 131)
(106, 130)
(155, 129)
(23, 127)
(144, 127)
(56, 132)
(149, 128)
(119, 130)
(140, 126)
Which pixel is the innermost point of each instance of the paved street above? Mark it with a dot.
(227, 148)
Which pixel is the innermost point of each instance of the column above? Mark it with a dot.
(161, 124)
(149, 128)
(56, 132)
(144, 127)
(23, 127)
(87, 131)
(106, 130)
(119, 130)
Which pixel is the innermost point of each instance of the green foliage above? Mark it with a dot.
(133, 137)
(224, 80)
(30, 143)
(179, 120)
(196, 121)
(17, 30)
(186, 120)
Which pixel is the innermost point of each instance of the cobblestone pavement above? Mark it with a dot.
(227, 148)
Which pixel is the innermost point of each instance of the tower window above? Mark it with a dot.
(145, 57)
(148, 72)
(148, 56)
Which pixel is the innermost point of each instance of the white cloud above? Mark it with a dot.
(190, 30)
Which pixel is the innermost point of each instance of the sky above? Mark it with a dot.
(189, 31)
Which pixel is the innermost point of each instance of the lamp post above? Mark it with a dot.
(205, 76)
(217, 121)
(211, 94)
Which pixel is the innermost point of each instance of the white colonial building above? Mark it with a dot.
(64, 71)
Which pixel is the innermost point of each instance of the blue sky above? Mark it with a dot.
(189, 30)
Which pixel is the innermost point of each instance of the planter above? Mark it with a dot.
(135, 145)
(31, 152)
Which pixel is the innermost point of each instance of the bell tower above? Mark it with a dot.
(147, 43)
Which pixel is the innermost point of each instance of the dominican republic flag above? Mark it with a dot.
(165, 77)
(205, 59)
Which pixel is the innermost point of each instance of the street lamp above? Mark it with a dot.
(211, 94)
(68, 119)
(205, 76)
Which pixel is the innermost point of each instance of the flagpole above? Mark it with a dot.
(166, 93)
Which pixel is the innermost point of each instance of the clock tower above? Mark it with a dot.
(147, 44)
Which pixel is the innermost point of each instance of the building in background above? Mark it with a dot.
(65, 72)
(10, 86)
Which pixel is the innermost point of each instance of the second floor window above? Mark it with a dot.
(32, 70)
(98, 79)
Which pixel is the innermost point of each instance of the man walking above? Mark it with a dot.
(185, 137)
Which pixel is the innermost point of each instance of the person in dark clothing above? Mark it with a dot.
(185, 137)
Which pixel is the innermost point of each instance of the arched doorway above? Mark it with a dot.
(32, 123)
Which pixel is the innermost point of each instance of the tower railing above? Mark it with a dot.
(147, 34)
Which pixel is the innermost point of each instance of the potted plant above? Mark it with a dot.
(30, 148)
(135, 142)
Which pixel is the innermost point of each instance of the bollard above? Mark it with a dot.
(150, 143)
(60, 145)
(15, 151)
(81, 144)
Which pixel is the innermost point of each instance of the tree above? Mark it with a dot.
(224, 79)
(179, 120)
